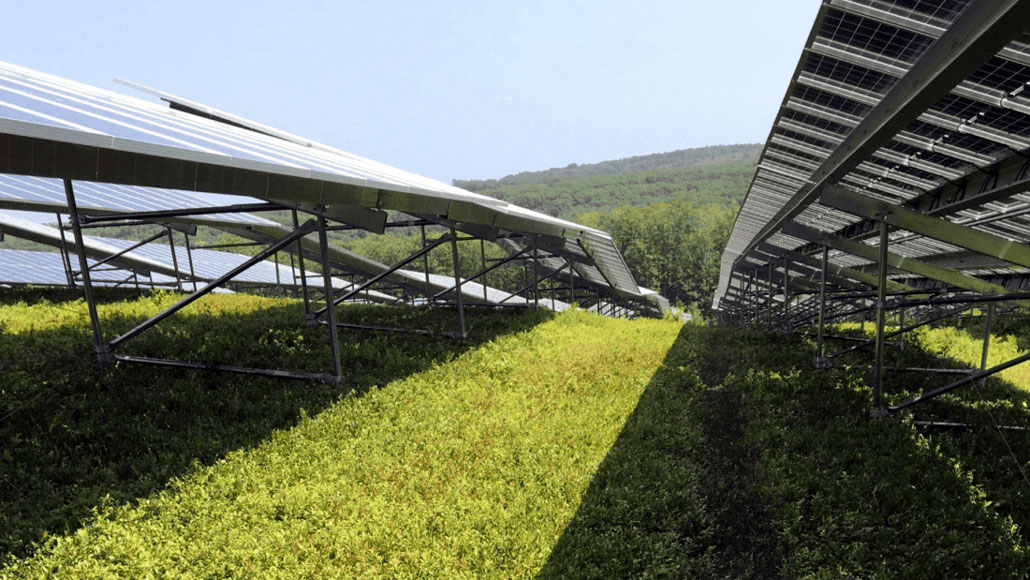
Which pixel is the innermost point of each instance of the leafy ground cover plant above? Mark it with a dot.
(860, 498)
(462, 462)
(73, 437)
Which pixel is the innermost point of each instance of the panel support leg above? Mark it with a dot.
(787, 328)
(821, 362)
(425, 267)
(189, 259)
(482, 267)
(769, 281)
(881, 316)
(987, 339)
(101, 350)
(175, 260)
(65, 258)
(303, 271)
(330, 304)
(457, 285)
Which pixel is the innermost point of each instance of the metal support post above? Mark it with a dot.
(821, 362)
(303, 270)
(175, 259)
(881, 317)
(189, 259)
(901, 324)
(987, 339)
(457, 284)
(752, 297)
(482, 266)
(769, 281)
(425, 266)
(278, 278)
(330, 305)
(572, 283)
(65, 258)
(102, 351)
(536, 274)
(786, 296)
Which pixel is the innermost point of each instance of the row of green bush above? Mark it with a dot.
(854, 497)
(437, 459)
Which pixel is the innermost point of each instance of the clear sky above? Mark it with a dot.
(458, 89)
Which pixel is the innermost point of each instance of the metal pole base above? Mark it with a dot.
(103, 356)
(821, 363)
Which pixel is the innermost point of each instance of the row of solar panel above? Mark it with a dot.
(89, 116)
(858, 53)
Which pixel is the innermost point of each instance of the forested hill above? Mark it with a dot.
(683, 158)
(718, 174)
(720, 184)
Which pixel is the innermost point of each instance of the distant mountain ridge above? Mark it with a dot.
(680, 159)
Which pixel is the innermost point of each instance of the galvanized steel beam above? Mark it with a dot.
(911, 265)
(931, 227)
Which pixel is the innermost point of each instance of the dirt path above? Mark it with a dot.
(745, 547)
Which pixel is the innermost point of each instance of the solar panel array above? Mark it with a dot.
(155, 259)
(53, 127)
(897, 111)
(23, 267)
(22, 192)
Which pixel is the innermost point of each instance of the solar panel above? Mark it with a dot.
(866, 61)
(23, 267)
(110, 134)
(155, 259)
(48, 194)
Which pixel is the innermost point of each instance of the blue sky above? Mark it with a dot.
(461, 89)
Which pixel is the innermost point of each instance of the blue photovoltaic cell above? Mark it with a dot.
(210, 264)
(47, 269)
(18, 190)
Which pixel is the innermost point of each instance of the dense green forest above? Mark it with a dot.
(672, 247)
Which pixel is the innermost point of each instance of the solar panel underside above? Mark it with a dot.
(858, 56)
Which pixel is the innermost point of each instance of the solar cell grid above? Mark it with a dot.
(865, 34)
(47, 269)
(849, 74)
(832, 103)
(801, 156)
(126, 126)
(18, 190)
(1002, 75)
(938, 12)
(1007, 121)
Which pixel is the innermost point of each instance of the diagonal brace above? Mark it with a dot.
(308, 227)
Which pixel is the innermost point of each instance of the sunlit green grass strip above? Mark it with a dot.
(966, 346)
(471, 469)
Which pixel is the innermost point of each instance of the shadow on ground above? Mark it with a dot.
(652, 508)
(978, 446)
(73, 437)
